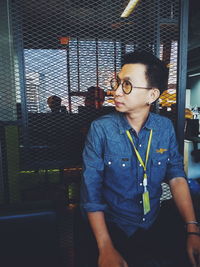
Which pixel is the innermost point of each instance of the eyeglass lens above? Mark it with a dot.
(126, 85)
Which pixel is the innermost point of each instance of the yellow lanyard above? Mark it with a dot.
(146, 201)
(144, 165)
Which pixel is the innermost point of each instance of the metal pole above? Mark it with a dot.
(182, 72)
(97, 63)
(123, 50)
(68, 79)
(115, 58)
(78, 64)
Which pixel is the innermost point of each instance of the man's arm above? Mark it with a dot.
(97, 222)
(108, 255)
(92, 200)
(181, 194)
(182, 198)
(183, 201)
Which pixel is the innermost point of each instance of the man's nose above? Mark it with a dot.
(119, 91)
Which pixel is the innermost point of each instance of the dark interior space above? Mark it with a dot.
(64, 48)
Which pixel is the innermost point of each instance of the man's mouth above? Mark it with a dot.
(118, 104)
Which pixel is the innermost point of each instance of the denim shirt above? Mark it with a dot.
(113, 177)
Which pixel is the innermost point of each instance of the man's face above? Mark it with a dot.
(138, 98)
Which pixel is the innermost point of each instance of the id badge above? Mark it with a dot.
(146, 202)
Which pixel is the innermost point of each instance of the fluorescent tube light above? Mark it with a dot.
(195, 74)
(131, 5)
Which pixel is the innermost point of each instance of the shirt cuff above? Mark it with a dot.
(92, 207)
(176, 174)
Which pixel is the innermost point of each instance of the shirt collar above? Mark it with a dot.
(124, 125)
(150, 122)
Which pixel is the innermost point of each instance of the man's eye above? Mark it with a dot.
(126, 83)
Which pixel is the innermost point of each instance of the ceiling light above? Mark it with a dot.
(195, 74)
(131, 5)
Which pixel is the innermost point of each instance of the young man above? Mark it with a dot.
(127, 156)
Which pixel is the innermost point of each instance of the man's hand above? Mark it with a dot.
(110, 257)
(193, 248)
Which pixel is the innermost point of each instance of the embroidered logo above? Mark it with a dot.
(161, 150)
(125, 159)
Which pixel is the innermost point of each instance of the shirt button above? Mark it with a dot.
(168, 159)
(141, 184)
(123, 165)
(140, 165)
(140, 201)
(109, 162)
(140, 145)
(143, 219)
(159, 163)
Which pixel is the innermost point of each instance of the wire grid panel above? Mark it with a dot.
(169, 35)
(166, 192)
(61, 49)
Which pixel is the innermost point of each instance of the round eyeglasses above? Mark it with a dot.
(126, 85)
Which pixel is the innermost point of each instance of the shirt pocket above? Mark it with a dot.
(158, 170)
(117, 171)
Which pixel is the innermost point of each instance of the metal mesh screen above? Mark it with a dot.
(64, 48)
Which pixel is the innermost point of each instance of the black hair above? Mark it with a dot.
(55, 98)
(54, 103)
(156, 70)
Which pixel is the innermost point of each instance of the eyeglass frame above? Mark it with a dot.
(118, 79)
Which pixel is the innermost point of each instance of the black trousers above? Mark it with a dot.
(162, 245)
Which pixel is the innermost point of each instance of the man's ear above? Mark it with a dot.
(154, 94)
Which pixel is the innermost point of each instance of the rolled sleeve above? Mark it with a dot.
(92, 207)
(93, 169)
(175, 166)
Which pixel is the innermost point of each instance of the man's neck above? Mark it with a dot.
(137, 119)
